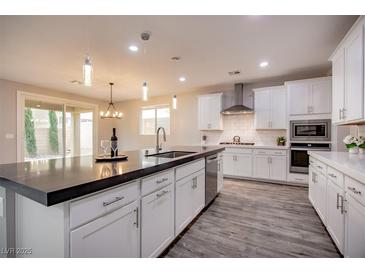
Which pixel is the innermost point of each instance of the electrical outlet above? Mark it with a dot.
(9, 136)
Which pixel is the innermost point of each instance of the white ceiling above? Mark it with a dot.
(48, 51)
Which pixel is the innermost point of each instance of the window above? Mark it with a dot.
(154, 117)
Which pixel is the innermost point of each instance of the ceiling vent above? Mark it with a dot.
(234, 72)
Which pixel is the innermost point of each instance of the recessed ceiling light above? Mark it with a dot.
(182, 79)
(176, 58)
(133, 48)
(234, 72)
(264, 64)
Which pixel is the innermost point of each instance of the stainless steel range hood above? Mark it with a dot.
(238, 106)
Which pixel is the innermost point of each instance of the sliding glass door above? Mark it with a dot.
(50, 128)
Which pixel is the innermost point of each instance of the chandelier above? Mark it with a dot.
(111, 111)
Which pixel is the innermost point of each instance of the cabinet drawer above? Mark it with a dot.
(355, 189)
(152, 183)
(321, 167)
(190, 168)
(335, 176)
(270, 152)
(234, 150)
(87, 209)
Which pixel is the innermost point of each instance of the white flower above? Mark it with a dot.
(359, 142)
(349, 139)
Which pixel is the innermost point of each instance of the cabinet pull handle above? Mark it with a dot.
(332, 175)
(320, 167)
(343, 210)
(195, 183)
(354, 190)
(340, 114)
(161, 181)
(116, 199)
(343, 113)
(137, 217)
(159, 195)
(338, 201)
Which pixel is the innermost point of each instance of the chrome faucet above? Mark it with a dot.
(158, 146)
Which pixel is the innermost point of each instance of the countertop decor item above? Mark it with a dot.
(281, 141)
(351, 143)
(361, 144)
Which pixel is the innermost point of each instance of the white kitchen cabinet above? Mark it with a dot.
(115, 235)
(270, 108)
(311, 182)
(261, 167)
(310, 96)
(190, 199)
(209, 112)
(270, 164)
(220, 173)
(238, 164)
(320, 195)
(355, 229)
(354, 77)
(157, 221)
(338, 86)
(335, 214)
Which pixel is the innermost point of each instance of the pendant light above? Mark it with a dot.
(88, 71)
(174, 102)
(111, 112)
(144, 92)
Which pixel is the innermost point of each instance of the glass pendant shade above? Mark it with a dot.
(87, 71)
(144, 92)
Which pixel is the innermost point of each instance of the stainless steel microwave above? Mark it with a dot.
(310, 130)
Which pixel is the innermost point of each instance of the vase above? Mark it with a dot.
(353, 150)
(361, 150)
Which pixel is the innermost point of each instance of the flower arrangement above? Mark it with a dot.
(361, 142)
(350, 141)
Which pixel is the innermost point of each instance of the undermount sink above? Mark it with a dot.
(171, 154)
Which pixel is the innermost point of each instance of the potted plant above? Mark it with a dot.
(281, 141)
(351, 143)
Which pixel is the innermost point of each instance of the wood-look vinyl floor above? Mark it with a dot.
(254, 219)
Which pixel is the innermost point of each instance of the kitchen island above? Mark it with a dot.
(76, 207)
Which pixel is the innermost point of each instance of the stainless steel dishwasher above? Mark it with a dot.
(211, 178)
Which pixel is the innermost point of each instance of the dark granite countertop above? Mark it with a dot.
(50, 182)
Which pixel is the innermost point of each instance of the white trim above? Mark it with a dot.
(23, 95)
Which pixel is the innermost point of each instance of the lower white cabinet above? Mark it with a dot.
(355, 229)
(237, 164)
(318, 192)
(157, 221)
(190, 199)
(116, 234)
(220, 173)
(261, 167)
(270, 164)
(335, 214)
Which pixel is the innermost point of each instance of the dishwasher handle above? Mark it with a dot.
(212, 158)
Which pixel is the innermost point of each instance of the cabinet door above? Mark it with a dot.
(228, 166)
(320, 196)
(203, 110)
(243, 165)
(335, 216)
(262, 109)
(115, 235)
(214, 112)
(354, 78)
(278, 109)
(198, 194)
(220, 174)
(278, 168)
(183, 204)
(311, 186)
(261, 167)
(338, 86)
(299, 98)
(355, 229)
(321, 97)
(157, 221)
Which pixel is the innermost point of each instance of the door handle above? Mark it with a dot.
(337, 201)
(137, 217)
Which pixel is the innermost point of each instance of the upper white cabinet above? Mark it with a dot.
(310, 96)
(270, 108)
(209, 112)
(348, 77)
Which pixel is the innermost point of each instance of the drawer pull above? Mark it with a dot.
(311, 162)
(332, 175)
(137, 217)
(158, 195)
(337, 201)
(354, 190)
(161, 181)
(320, 167)
(116, 199)
(299, 179)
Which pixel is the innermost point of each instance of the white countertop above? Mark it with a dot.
(352, 165)
(254, 146)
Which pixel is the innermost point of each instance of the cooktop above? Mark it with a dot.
(237, 143)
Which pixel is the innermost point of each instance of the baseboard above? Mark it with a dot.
(266, 181)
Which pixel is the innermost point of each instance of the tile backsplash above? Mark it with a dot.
(243, 126)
